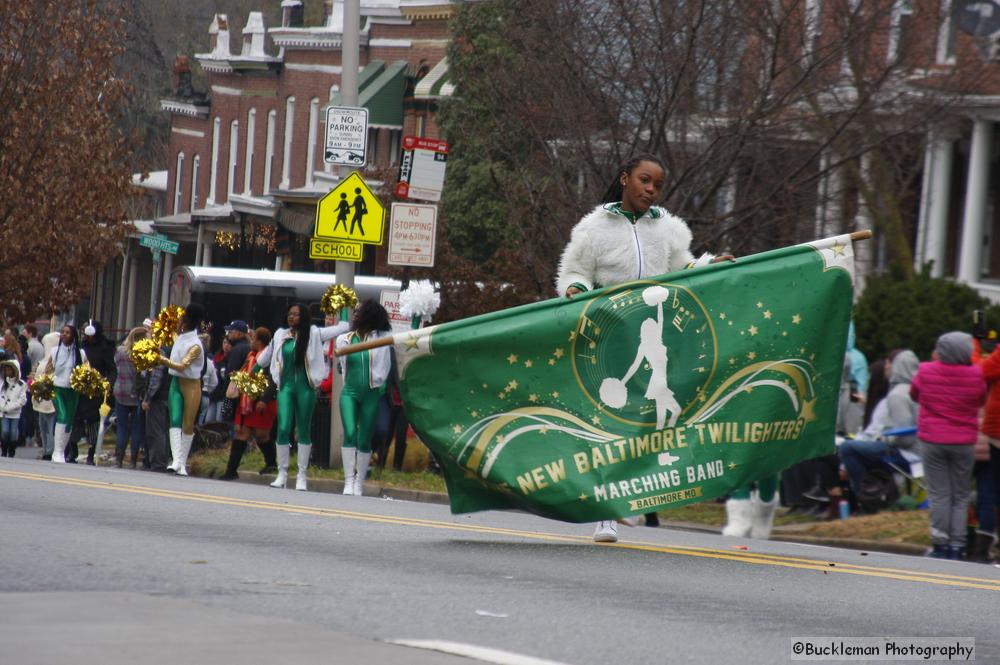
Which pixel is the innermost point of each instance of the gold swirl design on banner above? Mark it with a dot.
(489, 428)
(797, 371)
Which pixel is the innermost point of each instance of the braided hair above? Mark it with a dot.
(615, 190)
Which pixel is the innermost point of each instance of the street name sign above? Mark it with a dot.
(412, 231)
(346, 136)
(159, 243)
(330, 250)
(351, 212)
(421, 171)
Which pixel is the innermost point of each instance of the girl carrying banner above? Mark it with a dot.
(295, 357)
(364, 384)
(61, 362)
(627, 237)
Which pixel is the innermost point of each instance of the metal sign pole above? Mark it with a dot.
(350, 58)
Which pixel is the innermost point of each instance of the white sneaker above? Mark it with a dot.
(606, 532)
(631, 521)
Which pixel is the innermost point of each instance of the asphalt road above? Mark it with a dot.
(112, 566)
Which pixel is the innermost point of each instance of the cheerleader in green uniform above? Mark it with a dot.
(298, 366)
(364, 373)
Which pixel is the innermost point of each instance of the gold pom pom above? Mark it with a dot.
(336, 298)
(251, 384)
(88, 382)
(145, 355)
(165, 325)
(43, 388)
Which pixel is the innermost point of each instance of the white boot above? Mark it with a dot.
(301, 481)
(175, 448)
(359, 480)
(184, 449)
(348, 455)
(606, 532)
(284, 452)
(738, 518)
(61, 438)
(763, 516)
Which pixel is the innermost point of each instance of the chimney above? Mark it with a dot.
(292, 14)
(182, 71)
(333, 14)
(253, 36)
(219, 36)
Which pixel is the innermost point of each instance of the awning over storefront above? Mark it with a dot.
(436, 83)
(380, 90)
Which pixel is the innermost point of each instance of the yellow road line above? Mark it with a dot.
(720, 554)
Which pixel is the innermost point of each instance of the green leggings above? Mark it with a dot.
(66, 401)
(183, 400)
(766, 487)
(358, 412)
(296, 398)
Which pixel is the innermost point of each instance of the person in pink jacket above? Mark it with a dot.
(949, 390)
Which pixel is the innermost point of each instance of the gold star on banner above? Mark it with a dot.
(749, 389)
(410, 342)
(555, 395)
(597, 331)
(512, 359)
(732, 465)
(595, 420)
(802, 350)
(572, 336)
(457, 429)
(722, 315)
(583, 497)
(759, 304)
(502, 395)
(809, 410)
(558, 353)
(797, 319)
(784, 333)
(838, 249)
(486, 387)
(767, 314)
(474, 414)
(532, 397)
(752, 330)
(528, 363)
(732, 361)
(512, 386)
(751, 355)
(552, 361)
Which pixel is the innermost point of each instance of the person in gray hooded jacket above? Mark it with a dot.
(895, 411)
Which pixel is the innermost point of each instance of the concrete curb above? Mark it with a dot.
(332, 486)
(373, 489)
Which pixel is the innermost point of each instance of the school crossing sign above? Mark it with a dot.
(350, 214)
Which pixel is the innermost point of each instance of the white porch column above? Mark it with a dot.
(971, 256)
(168, 266)
(206, 254)
(123, 288)
(133, 278)
(932, 228)
(198, 244)
(864, 252)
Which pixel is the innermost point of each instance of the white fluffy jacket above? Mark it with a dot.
(606, 249)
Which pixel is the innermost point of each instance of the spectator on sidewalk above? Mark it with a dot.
(130, 424)
(157, 416)
(35, 353)
(13, 395)
(46, 409)
(895, 411)
(254, 418)
(990, 365)
(950, 390)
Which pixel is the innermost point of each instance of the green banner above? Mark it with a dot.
(641, 396)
